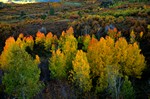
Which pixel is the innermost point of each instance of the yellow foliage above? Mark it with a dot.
(131, 61)
(120, 55)
(135, 62)
(5, 58)
(121, 46)
(21, 35)
(100, 54)
(48, 41)
(37, 59)
(68, 44)
(29, 42)
(81, 71)
(58, 65)
(141, 34)
(21, 43)
(132, 37)
(86, 40)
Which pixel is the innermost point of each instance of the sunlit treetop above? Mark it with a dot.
(40, 38)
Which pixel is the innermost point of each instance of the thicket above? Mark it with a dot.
(99, 25)
(101, 65)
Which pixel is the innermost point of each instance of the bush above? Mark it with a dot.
(52, 11)
(22, 14)
(127, 90)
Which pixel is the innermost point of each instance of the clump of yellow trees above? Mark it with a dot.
(106, 62)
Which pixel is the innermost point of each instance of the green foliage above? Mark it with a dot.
(132, 1)
(86, 40)
(52, 11)
(58, 65)
(81, 71)
(117, 3)
(114, 81)
(79, 13)
(21, 78)
(48, 41)
(43, 16)
(22, 14)
(127, 90)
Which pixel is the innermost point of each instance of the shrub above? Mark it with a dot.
(52, 11)
(127, 90)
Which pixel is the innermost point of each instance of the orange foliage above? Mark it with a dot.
(40, 38)
(10, 45)
(63, 33)
(10, 41)
(113, 33)
(70, 31)
(29, 41)
(40, 35)
(49, 35)
(93, 41)
(56, 5)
